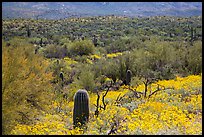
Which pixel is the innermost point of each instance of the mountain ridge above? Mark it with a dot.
(58, 10)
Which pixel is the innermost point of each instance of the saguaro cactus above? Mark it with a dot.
(28, 31)
(61, 76)
(41, 42)
(128, 77)
(95, 40)
(81, 108)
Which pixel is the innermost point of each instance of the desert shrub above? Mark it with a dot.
(194, 58)
(156, 60)
(81, 47)
(187, 58)
(38, 40)
(124, 44)
(81, 59)
(161, 55)
(85, 77)
(64, 41)
(100, 50)
(55, 51)
(111, 69)
(99, 67)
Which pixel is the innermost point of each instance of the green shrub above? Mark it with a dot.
(81, 47)
(54, 51)
(195, 58)
(86, 78)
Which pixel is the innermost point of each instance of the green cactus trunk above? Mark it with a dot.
(41, 42)
(81, 108)
(128, 77)
(28, 31)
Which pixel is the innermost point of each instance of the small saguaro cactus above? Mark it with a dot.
(41, 42)
(128, 77)
(81, 108)
(57, 62)
(61, 76)
(82, 37)
(95, 40)
(28, 31)
(62, 79)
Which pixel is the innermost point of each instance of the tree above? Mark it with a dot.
(26, 88)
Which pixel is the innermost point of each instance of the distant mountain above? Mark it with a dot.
(57, 10)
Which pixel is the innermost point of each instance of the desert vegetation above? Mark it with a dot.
(123, 75)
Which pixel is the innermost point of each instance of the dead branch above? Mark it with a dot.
(159, 89)
(114, 127)
(117, 99)
(103, 98)
(97, 105)
(24, 117)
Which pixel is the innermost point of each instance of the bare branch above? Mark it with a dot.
(136, 93)
(97, 105)
(114, 126)
(24, 116)
(117, 98)
(103, 98)
(159, 89)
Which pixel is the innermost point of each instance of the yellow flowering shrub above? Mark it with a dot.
(94, 56)
(69, 61)
(89, 61)
(113, 55)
